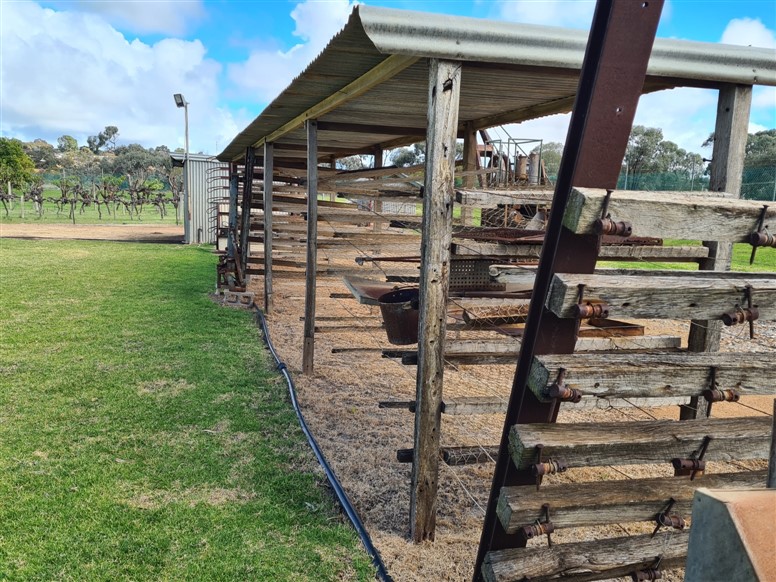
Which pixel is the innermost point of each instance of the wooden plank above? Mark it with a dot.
(391, 66)
(652, 253)
(494, 198)
(475, 405)
(731, 134)
(672, 297)
(509, 357)
(367, 291)
(655, 375)
(308, 348)
(606, 502)
(633, 443)
(443, 99)
(600, 559)
(667, 214)
(454, 456)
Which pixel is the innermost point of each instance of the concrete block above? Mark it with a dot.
(733, 536)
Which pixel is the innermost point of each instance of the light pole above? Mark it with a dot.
(180, 101)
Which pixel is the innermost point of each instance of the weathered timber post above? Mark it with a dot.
(245, 219)
(269, 171)
(469, 163)
(333, 166)
(727, 167)
(231, 236)
(378, 204)
(443, 99)
(771, 482)
(308, 351)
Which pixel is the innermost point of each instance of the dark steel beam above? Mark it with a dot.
(611, 82)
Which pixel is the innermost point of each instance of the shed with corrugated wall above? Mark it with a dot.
(205, 178)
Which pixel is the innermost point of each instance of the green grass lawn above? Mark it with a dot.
(90, 215)
(765, 260)
(142, 436)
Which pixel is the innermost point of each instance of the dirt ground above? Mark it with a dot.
(157, 233)
(340, 403)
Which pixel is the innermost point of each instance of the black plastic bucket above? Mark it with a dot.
(400, 316)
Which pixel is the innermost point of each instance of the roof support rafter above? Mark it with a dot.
(388, 68)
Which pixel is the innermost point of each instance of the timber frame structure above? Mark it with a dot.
(391, 78)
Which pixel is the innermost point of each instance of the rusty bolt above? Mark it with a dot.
(591, 310)
(740, 315)
(607, 226)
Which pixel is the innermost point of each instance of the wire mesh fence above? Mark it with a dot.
(757, 183)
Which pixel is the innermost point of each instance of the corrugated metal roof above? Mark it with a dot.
(511, 72)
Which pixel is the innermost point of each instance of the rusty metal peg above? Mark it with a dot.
(740, 315)
(549, 467)
(673, 521)
(649, 574)
(564, 393)
(537, 529)
(607, 226)
(720, 395)
(591, 310)
(689, 464)
(762, 239)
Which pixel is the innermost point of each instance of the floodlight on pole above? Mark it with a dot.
(180, 101)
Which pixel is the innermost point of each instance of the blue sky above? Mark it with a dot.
(73, 67)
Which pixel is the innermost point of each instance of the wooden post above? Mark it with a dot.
(727, 167)
(333, 166)
(234, 181)
(268, 174)
(469, 163)
(378, 204)
(771, 483)
(443, 99)
(308, 351)
(245, 219)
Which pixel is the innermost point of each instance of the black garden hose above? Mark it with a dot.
(342, 497)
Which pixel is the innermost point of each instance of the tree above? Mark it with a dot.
(656, 164)
(106, 138)
(42, 153)
(761, 149)
(409, 156)
(16, 166)
(551, 152)
(352, 163)
(67, 143)
(759, 176)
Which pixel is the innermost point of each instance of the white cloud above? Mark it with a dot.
(266, 72)
(66, 72)
(568, 13)
(171, 17)
(748, 32)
